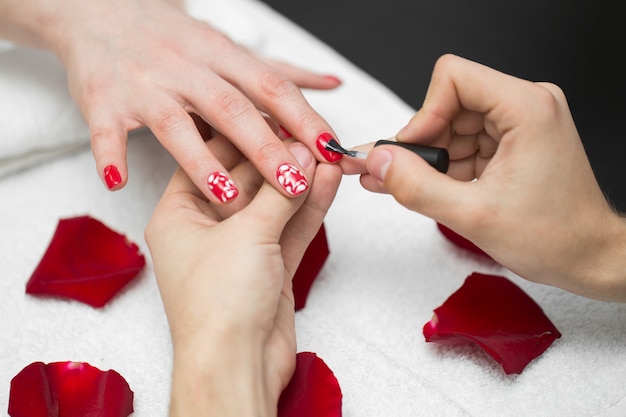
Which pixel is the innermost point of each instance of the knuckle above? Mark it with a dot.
(218, 40)
(549, 100)
(231, 106)
(305, 119)
(275, 86)
(266, 151)
(100, 135)
(167, 121)
(445, 62)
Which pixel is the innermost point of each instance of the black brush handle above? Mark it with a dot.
(438, 158)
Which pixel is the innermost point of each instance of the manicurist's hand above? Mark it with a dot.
(147, 63)
(535, 205)
(224, 272)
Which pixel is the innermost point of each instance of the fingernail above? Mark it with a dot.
(302, 154)
(222, 187)
(321, 142)
(380, 160)
(284, 133)
(291, 179)
(112, 176)
(333, 79)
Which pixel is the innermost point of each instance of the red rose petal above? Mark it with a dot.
(31, 394)
(460, 241)
(497, 315)
(86, 261)
(69, 389)
(310, 267)
(313, 390)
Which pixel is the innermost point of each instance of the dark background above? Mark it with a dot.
(579, 45)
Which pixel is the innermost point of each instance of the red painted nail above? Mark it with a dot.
(112, 176)
(284, 133)
(291, 179)
(321, 142)
(222, 187)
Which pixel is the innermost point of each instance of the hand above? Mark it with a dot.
(147, 63)
(535, 206)
(224, 272)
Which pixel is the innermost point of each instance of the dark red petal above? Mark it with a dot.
(31, 394)
(497, 315)
(310, 267)
(69, 389)
(460, 241)
(86, 261)
(313, 390)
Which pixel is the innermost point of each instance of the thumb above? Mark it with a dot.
(272, 209)
(418, 186)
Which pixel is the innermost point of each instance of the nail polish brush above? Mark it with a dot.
(334, 146)
(438, 158)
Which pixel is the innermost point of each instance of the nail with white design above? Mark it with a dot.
(291, 179)
(222, 187)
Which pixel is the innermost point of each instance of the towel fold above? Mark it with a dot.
(37, 116)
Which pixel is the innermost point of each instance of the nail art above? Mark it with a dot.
(291, 179)
(321, 142)
(112, 176)
(222, 187)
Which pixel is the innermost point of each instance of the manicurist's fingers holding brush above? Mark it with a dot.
(519, 184)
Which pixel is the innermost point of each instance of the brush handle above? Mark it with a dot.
(438, 158)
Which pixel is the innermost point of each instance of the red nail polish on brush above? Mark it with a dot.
(112, 176)
(321, 142)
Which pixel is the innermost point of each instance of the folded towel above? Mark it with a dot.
(388, 269)
(37, 116)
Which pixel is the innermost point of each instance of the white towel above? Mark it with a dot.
(388, 269)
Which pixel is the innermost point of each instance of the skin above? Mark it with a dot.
(535, 205)
(230, 304)
(126, 70)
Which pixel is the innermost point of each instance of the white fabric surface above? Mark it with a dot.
(388, 268)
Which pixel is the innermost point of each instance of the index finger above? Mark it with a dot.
(462, 86)
(274, 93)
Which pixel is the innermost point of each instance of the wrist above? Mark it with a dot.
(220, 377)
(604, 278)
(29, 23)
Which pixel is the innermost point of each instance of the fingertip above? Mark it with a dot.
(294, 181)
(222, 187)
(322, 143)
(332, 81)
(371, 184)
(112, 177)
(108, 145)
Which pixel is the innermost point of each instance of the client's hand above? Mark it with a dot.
(148, 63)
(224, 272)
